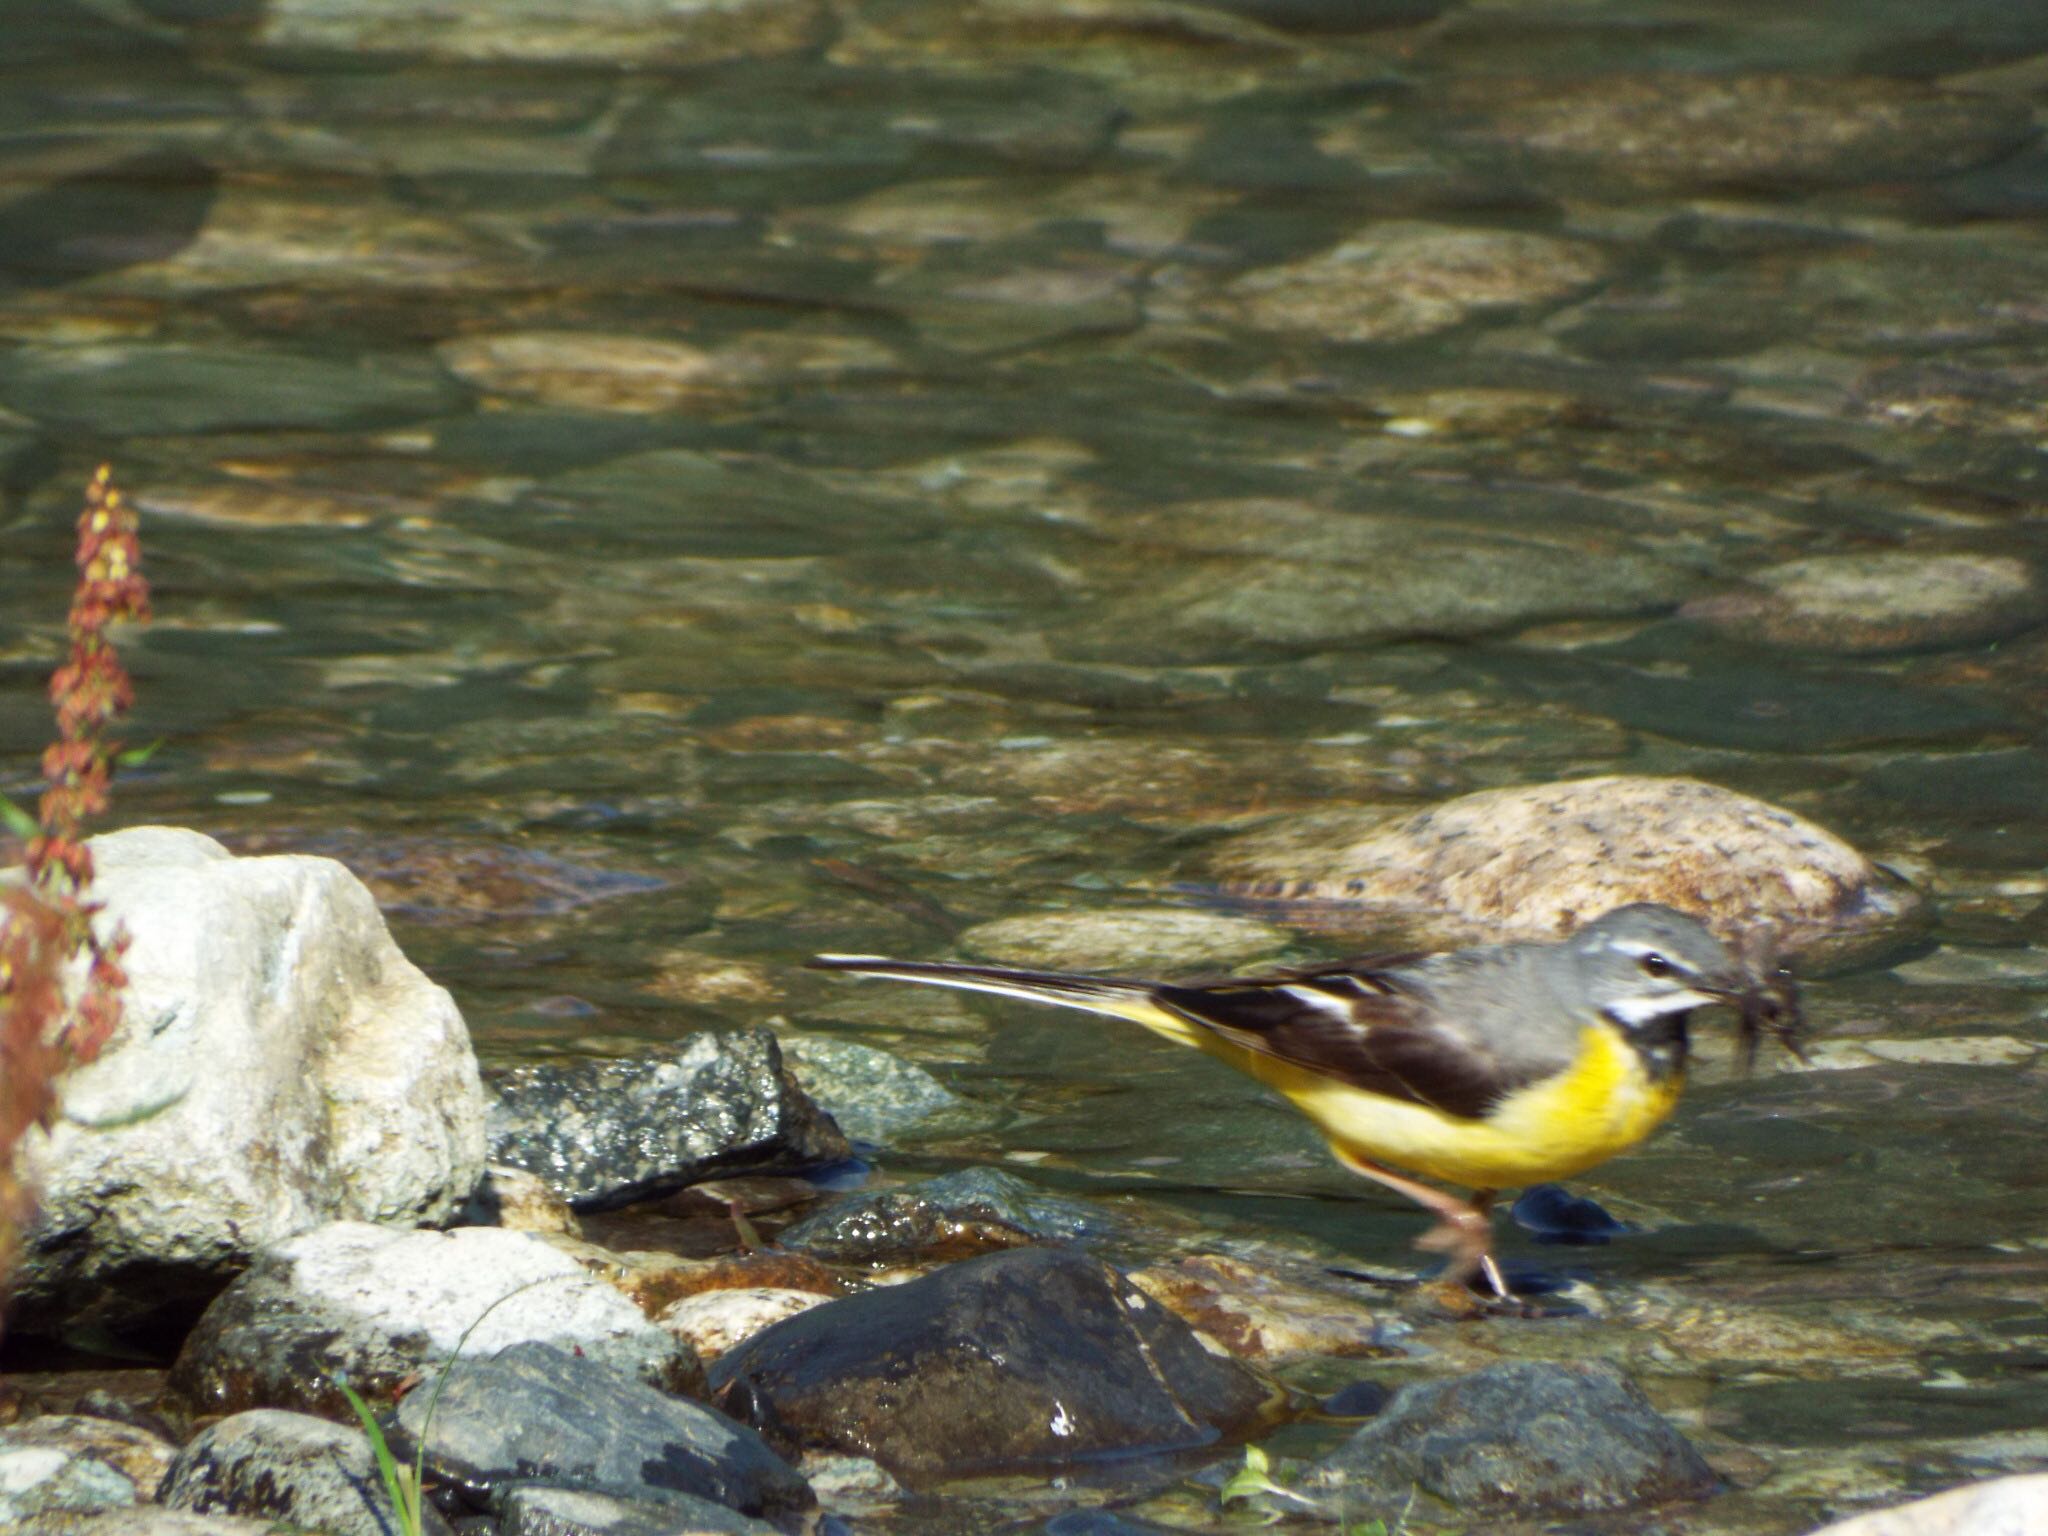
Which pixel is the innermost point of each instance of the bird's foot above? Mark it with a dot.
(1465, 1237)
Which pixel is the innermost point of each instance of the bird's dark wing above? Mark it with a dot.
(1355, 1023)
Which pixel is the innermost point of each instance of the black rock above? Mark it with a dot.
(606, 1133)
(536, 1414)
(1553, 1214)
(1536, 1437)
(291, 1467)
(954, 1216)
(1035, 1357)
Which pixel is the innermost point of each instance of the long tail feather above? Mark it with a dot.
(1092, 994)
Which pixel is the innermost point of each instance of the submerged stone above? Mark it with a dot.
(1399, 281)
(154, 389)
(647, 33)
(1884, 600)
(607, 1133)
(537, 1511)
(1528, 1437)
(1538, 861)
(1150, 941)
(1034, 1358)
(1771, 130)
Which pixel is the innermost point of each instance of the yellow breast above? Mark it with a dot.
(1604, 1103)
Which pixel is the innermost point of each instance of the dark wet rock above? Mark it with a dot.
(1399, 281)
(538, 1511)
(291, 1467)
(1530, 1436)
(280, 1064)
(694, 504)
(375, 1305)
(537, 1414)
(149, 389)
(1881, 600)
(1999, 1506)
(974, 1211)
(1553, 1214)
(1030, 1358)
(441, 880)
(1536, 862)
(606, 1133)
(646, 33)
(67, 1462)
(1760, 130)
(873, 1095)
(1936, 290)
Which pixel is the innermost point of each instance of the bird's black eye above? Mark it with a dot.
(1656, 965)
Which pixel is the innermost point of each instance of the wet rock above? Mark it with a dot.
(518, 1201)
(997, 299)
(695, 504)
(606, 1133)
(1030, 1358)
(280, 1064)
(1142, 940)
(1538, 861)
(253, 504)
(66, 1462)
(585, 370)
(151, 389)
(1758, 130)
(535, 1511)
(1258, 1315)
(713, 1322)
(537, 1414)
(872, 1094)
(1398, 281)
(1885, 600)
(976, 1210)
(1530, 1437)
(290, 1467)
(647, 33)
(376, 1306)
(2000, 1506)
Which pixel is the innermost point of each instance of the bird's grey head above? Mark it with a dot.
(1647, 967)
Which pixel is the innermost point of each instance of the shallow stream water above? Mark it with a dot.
(661, 501)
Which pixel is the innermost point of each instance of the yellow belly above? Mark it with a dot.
(1604, 1104)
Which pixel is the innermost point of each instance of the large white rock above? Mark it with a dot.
(2003, 1506)
(280, 1064)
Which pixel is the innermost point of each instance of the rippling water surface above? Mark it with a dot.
(660, 500)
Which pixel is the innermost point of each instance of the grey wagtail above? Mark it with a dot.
(1491, 1067)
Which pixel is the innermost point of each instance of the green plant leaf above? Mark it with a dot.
(405, 1509)
(18, 821)
(135, 757)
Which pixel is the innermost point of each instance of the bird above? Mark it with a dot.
(1490, 1067)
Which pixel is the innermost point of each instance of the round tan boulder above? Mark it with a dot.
(1538, 861)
